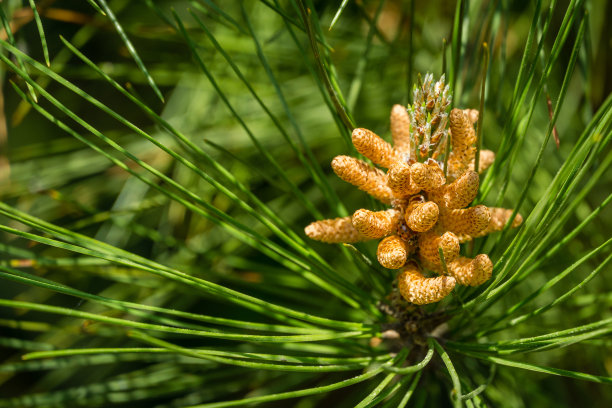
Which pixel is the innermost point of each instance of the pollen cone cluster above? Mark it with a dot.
(429, 212)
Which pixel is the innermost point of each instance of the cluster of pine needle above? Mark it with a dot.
(159, 161)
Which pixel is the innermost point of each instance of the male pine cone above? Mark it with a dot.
(429, 210)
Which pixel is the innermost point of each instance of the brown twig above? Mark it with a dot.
(24, 15)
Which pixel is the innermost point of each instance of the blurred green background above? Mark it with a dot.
(46, 172)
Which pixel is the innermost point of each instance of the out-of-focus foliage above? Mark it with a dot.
(156, 177)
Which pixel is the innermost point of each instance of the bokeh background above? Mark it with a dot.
(46, 172)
